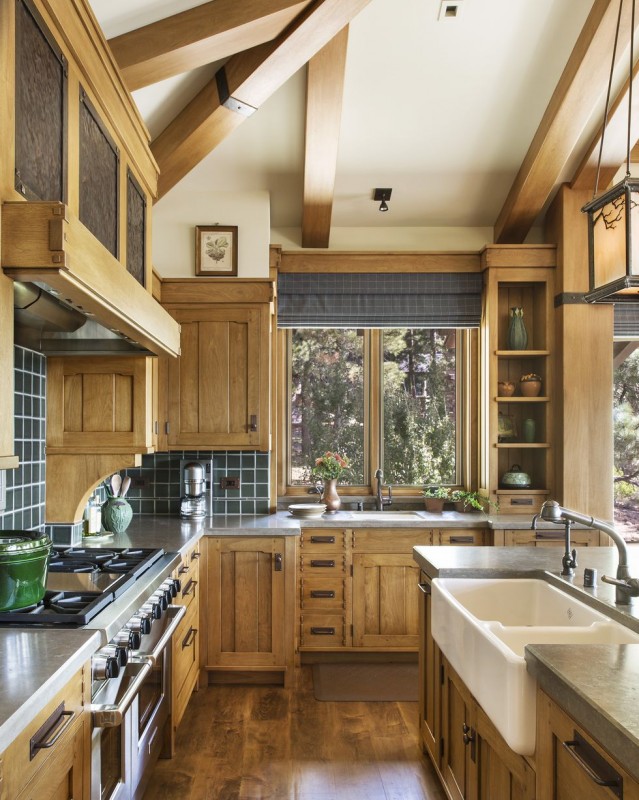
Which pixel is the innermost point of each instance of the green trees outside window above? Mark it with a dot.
(385, 398)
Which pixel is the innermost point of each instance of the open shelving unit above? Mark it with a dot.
(503, 439)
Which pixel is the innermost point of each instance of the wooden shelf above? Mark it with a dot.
(523, 445)
(500, 399)
(522, 353)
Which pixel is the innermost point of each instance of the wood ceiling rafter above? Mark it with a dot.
(324, 94)
(568, 111)
(246, 81)
(201, 35)
(615, 144)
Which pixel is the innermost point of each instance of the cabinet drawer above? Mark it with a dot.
(322, 630)
(21, 759)
(323, 594)
(186, 657)
(322, 540)
(322, 563)
(390, 540)
(520, 502)
(460, 537)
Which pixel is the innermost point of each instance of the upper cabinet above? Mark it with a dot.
(517, 395)
(218, 390)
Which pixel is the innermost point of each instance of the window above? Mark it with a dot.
(388, 398)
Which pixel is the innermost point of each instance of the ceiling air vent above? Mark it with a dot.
(449, 10)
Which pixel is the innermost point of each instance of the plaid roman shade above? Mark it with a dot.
(626, 321)
(379, 300)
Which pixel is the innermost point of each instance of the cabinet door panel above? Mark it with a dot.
(385, 601)
(458, 754)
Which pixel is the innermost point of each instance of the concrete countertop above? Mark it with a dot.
(35, 665)
(598, 685)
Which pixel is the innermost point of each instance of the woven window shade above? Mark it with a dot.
(626, 321)
(379, 300)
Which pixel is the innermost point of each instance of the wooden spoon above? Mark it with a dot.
(125, 486)
(116, 483)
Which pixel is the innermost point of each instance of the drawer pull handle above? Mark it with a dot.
(278, 563)
(49, 733)
(521, 501)
(183, 569)
(189, 588)
(253, 423)
(425, 588)
(462, 539)
(189, 638)
(317, 562)
(325, 593)
(323, 631)
(195, 555)
(595, 766)
(322, 540)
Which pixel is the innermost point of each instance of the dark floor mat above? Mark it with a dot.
(394, 681)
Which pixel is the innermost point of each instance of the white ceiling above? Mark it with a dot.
(441, 111)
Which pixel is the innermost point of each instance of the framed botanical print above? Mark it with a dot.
(216, 250)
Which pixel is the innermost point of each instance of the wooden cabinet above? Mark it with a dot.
(8, 459)
(99, 405)
(186, 639)
(59, 767)
(571, 764)
(430, 677)
(546, 538)
(251, 605)
(357, 587)
(219, 387)
(504, 442)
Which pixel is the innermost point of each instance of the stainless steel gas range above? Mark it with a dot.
(126, 595)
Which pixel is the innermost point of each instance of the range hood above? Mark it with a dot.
(72, 295)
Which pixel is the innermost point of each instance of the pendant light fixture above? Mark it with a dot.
(613, 218)
(382, 195)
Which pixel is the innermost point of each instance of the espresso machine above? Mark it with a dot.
(193, 504)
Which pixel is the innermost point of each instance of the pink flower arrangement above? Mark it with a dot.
(330, 466)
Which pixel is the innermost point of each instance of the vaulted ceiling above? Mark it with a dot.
(473, 111)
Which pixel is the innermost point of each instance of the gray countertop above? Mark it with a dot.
(35, 666)
(598, 685)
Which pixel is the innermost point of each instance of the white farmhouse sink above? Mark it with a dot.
(387, 516)
(482, 627)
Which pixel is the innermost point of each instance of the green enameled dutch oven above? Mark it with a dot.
(24, 559)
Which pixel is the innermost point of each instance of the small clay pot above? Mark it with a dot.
(434, 504)
(506, 388)
(530, 388)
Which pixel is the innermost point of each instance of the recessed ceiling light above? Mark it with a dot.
(449, 10)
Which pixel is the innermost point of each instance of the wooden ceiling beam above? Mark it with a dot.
(242, 85)
(570, 107)
(324, 94)
(615, 142)
(201, 35)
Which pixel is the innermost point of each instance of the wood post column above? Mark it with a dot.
(584, 371)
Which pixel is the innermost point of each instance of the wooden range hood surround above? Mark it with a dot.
(45, 242)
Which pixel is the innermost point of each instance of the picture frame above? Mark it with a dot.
(506, 428)
(216, 250)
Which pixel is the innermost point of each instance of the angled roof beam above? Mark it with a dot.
(583, 82)
(615, 142)
(242, 85)
(201, 35)
(324, 93)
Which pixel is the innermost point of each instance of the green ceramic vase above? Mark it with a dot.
(116, 515)
(517, 338)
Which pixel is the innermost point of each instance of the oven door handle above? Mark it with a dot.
(111, 715)
(176, 613)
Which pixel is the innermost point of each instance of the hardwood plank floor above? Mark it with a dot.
(270, 743)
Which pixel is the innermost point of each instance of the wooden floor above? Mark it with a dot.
(269, 742)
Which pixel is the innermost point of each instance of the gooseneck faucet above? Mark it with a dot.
(625, 586)
(382, 501)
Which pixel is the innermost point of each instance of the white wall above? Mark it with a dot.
(180, 210)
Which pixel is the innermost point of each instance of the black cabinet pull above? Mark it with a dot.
(319, 562)
(595, 766)
(253, 423)
(322, 540)
(462, 539)
(277, 557)
(183, 569)
(195, 555)
(51, 731)
(326, 593)
(323, 631)
(189, 638)
(189, 588)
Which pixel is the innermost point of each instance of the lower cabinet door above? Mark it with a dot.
(460, 737)
(63, 775)
(186, 660)
(385, 601)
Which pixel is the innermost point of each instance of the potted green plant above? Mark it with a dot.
(471, 501)
(435, 497)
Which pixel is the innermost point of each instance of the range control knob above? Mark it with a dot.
(127, 638)
(140, 623)
(162, 597)
(104, 665)
(153, 609)
(121, 654)
(172, 586)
